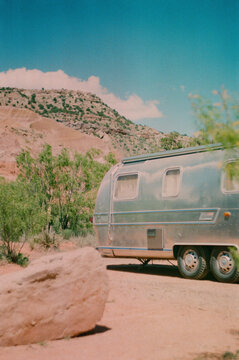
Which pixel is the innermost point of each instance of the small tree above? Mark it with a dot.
(66, 188)
(218, 120)
(219, 123)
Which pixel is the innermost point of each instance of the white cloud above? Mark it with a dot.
(133, 107)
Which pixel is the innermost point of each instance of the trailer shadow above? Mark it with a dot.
(152, 269)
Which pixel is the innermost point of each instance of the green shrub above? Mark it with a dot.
(65, 188)
(33, 98)
(22, 94)
(20, 216)
(67, 234)
(46, 240)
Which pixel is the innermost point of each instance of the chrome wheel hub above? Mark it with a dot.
(191, 260)
(225, 262)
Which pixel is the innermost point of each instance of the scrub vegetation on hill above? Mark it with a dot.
(89, 114)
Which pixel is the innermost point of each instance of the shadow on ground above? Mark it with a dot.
(97, 330)
(152, 269)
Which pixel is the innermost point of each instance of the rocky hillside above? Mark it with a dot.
(24, 129)
(87, 113)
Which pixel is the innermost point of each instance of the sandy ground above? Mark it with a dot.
(151, 313)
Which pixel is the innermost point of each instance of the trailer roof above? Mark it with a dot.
(170, 153)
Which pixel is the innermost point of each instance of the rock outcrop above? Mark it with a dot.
(57, 296)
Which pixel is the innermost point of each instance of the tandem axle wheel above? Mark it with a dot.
(194, 262)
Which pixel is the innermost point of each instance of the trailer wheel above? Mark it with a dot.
(223, 266)
(193, 262)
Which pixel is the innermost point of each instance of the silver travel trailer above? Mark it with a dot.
(180, 204)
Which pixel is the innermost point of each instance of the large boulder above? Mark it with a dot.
(57, 296)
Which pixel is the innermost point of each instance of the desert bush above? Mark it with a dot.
(20, 216)
(46, 240)
(22, 94)
(33, 98)
(67, 234)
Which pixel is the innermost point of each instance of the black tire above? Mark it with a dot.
(223, 266)
(193, 262)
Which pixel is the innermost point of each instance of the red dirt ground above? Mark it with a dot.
(151, 313)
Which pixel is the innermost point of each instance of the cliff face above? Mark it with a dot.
(87, 114)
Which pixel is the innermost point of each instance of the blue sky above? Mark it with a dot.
(148, 54)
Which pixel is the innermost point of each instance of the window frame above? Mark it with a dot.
(137, 186)
(179, 182)
(223, 189)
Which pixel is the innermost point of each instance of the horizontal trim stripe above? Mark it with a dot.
(158, 211)
(209, 222)
(128, 248)
(164, 211)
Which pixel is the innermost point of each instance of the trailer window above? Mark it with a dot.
(230, 179)
(171, 182)
(126, 187)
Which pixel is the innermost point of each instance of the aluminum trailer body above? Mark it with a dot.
(179, 204)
